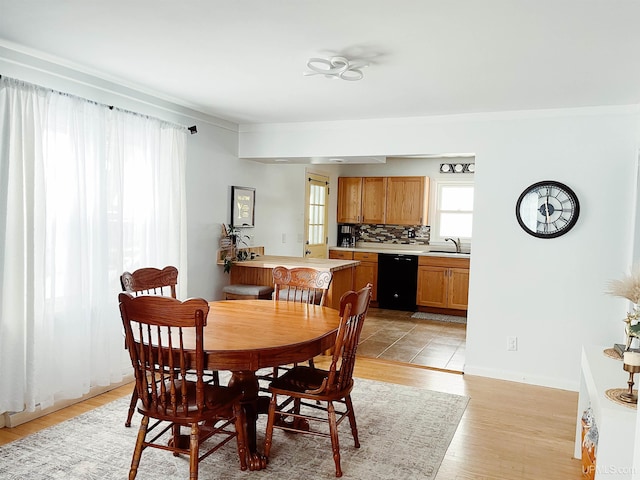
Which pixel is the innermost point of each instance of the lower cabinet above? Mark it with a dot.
(341, 254)
(367, 272)
(443, 282)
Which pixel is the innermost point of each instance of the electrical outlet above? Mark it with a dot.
(512, 344)
(284, 238)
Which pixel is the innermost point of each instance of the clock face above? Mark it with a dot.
(547, 209)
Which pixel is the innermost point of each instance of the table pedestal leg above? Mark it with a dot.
(247, 383)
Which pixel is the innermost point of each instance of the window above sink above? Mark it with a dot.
(452, 210)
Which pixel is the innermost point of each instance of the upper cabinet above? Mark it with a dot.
(374, 193)
(349, 200)
(407, 200)
(383, 200)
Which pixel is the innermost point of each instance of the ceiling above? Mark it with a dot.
(243, 60)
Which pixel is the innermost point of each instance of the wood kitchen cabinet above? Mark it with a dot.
(367, 272)
(407, 200)
(349, 200)
(374, 194)
(362, 199)
(443, 282)
(341, 255)
(383, 200)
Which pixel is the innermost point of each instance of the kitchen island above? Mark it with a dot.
(258, 271)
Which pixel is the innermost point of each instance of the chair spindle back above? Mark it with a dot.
(353, 310)
(301, 284)
(160, 335)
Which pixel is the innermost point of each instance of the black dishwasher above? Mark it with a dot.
(397, 281)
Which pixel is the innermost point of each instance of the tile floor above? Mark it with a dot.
(394, 335)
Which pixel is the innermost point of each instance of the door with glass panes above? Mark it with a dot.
(316, 216)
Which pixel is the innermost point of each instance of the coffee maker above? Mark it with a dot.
(346, 235)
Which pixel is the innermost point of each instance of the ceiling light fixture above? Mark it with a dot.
(336, 67)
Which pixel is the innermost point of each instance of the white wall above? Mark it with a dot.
(212, 167)
(548, 293)
(282, 201)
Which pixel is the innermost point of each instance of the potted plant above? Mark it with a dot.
(232, 239)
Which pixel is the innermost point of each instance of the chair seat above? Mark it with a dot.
(218, 402)
(301, 379)
(247, 291)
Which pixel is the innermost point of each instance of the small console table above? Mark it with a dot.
(616, 423)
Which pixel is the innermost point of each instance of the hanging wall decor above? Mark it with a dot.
(243, 202)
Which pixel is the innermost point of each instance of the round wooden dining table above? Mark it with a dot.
(244, 336)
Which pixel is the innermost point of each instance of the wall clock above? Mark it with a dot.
(547, 209)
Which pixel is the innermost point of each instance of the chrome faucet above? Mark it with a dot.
(456, 243)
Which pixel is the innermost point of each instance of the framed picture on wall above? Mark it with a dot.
(243, 202)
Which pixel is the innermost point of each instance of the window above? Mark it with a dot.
(316, 213)
(453, 210)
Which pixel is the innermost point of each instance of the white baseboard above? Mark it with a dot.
(519, 377)
(13, 419)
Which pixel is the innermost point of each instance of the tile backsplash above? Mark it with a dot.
(405, 234)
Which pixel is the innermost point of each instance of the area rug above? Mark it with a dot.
(404, 434)
(439, 317)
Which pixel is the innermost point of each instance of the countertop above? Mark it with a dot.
(272, 261)
(406, 249)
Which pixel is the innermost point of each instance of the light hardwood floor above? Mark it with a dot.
(510, 431)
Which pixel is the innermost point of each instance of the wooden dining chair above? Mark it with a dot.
(309, 389)
(165, 341)
(301, 285)
(152, 281)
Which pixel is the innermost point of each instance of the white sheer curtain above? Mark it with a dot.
(86, 192)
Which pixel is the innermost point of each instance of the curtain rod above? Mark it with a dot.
(192, 129)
